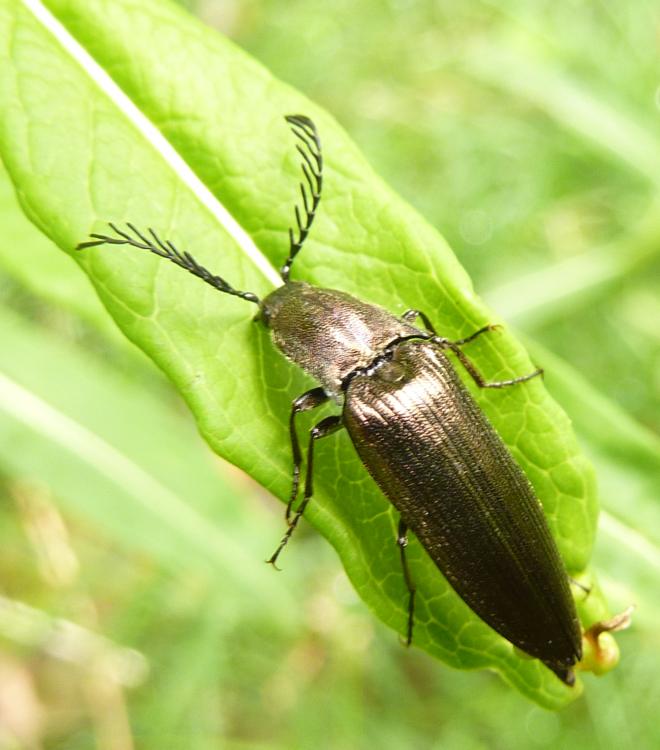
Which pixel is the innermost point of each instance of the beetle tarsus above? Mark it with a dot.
(271, 561)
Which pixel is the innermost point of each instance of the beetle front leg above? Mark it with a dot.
(475, 374)
(402, 541)
(325, 427)
(410, 316)
(306, 402)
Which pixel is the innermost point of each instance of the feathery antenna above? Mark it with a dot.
(165, 249)
(309, 149)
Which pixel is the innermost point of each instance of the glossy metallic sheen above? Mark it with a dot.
(438, 460)
(329, 333)
(435, 456)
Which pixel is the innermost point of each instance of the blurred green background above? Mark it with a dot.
(528, 133)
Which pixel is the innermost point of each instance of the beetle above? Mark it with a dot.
(418, 432)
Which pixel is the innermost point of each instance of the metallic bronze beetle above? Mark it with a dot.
(419, 433)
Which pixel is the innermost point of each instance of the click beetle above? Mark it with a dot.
(418, 432)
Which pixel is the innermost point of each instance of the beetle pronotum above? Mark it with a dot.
(419, 433)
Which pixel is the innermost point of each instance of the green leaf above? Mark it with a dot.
(188, 137)
(74, 439)
(31, 259)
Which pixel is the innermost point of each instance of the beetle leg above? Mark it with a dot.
(306, 402)
(475, 374)
(324, 428)
(410, 316)
(581, 586)
(402, 541)
(473, 336)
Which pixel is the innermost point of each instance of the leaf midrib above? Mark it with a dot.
(155, 137)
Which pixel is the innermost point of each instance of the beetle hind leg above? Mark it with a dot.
(402, 541)
(586, 590)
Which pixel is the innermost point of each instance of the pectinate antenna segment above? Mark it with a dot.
(165, 249)
(309, 148)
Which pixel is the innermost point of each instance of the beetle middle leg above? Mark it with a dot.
(473, 336)
(325, 427)
(410, 316)
(402, 541)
